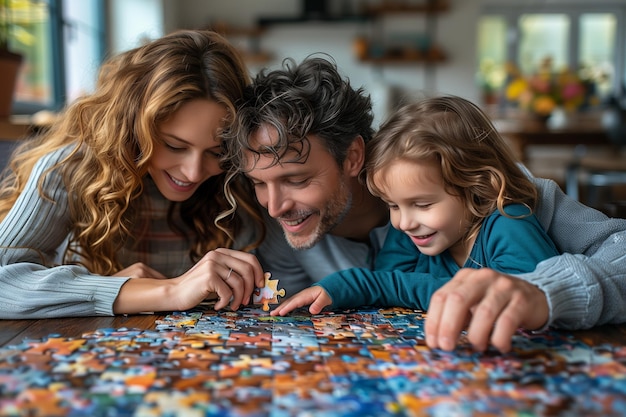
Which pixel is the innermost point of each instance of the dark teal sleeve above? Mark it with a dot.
(401, 275)
(397, 254)
(393, 282)
(363, 287)
(516, 245)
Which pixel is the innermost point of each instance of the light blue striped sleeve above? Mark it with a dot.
(31, 235)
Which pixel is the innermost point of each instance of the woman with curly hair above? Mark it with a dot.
(127, 188)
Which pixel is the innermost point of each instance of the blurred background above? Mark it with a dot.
(560, 60)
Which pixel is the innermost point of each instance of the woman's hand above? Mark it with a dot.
(316, 296)
(230, 274)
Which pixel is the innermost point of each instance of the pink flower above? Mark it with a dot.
(572, 91)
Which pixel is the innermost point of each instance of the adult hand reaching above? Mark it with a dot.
(492, 305)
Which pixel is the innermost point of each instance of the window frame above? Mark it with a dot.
(512, 13)
(59, 36)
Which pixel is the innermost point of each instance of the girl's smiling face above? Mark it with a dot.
(190, 149)
(420, 206)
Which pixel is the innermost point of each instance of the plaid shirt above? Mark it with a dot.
(158, 246)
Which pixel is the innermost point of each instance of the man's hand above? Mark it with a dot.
(492, 305)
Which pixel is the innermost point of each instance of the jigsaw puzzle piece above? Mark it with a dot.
(269, 293)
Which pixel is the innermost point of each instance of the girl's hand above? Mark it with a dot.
(316, 296)
(231, 274)
(139, 270)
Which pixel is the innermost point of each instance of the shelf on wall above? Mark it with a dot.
(268, 21)
(366, 13)
(402, 7)
(396, 60)
(411, 48)
(389, 55)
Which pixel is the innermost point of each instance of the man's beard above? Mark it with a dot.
(334, 213)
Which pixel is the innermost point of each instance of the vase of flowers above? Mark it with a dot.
(542, 92)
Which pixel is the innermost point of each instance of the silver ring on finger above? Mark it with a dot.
(230, 271)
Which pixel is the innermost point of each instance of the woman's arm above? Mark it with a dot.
(36, 228)
(31, 235)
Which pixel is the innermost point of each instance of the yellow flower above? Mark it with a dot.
(544, 90)
(516, 88)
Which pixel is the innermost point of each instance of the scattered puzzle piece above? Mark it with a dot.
(268, 294)
(368, 362)
(56, 345)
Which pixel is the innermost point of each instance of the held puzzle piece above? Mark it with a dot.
(268, 294)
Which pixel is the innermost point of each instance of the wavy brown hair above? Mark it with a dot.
(112, 133)
(477, 165)
(299, 100)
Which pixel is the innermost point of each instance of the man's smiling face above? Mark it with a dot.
(307, 196)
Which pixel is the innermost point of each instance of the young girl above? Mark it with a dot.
(457, 199)
(127, 188)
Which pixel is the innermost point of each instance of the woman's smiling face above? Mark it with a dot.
(190, 149)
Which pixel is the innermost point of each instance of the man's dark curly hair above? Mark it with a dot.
(311, 98)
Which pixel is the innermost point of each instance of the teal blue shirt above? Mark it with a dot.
(404, 277)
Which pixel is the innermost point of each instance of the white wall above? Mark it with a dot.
(82, 58)
(133, 22)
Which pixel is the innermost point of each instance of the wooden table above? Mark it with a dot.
(582, 154)
(15, 331)
(14, 128)
(361, 362)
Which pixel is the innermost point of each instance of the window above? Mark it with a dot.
(53, 36)
(583, 39)
(542, 36)
(598, 34)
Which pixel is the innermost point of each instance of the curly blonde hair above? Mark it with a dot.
(477, 165)
(112, 133)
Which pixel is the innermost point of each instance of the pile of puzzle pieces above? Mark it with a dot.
(365, 362)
